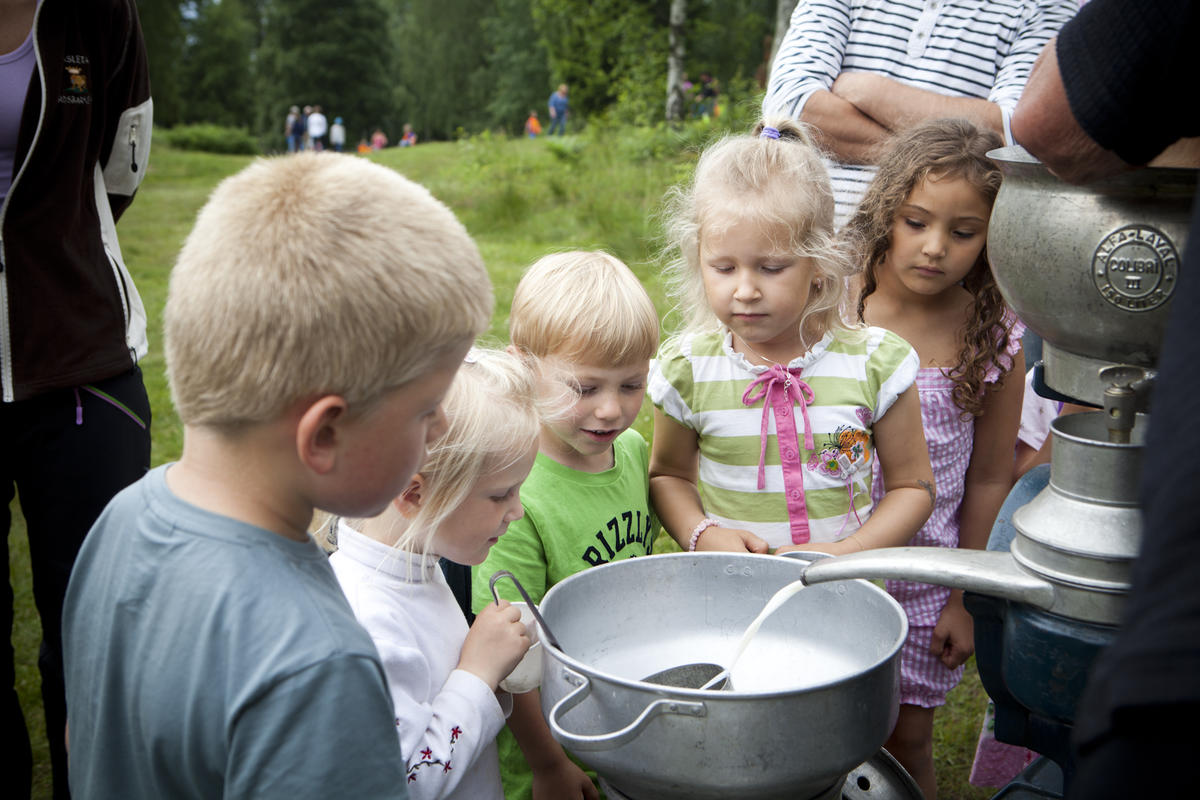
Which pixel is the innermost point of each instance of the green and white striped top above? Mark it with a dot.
(818, 494)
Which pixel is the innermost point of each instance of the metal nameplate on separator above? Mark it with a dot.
(1135, 268)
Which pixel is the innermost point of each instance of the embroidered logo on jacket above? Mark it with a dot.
(76, 86)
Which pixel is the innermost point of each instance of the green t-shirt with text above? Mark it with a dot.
(573, 520)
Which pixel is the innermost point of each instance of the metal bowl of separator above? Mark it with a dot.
(815, 694)
(1091, 269)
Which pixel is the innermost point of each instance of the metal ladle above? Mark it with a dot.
(714, 677)
(692, 676)
(550, 637)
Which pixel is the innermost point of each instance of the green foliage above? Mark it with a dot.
(518, 73)
(441, 65)
(727, 37)
(216, 65)
(209, 138)
(337, 55)
(162, 30)
(442, 80)
(594, 46)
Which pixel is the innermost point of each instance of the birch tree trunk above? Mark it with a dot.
(675, 97)
(783, 17)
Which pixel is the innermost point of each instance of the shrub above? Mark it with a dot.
(210, 139)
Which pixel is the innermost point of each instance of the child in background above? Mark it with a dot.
(443, 677)
(408, 138)
(337, 135)
(379, 139)
(533, 127)
(209, 649)
(769, 409)
(922, 229)
(585, 320)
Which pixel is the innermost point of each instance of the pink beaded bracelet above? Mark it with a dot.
(700, 528)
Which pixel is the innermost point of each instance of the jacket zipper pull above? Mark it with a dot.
(133, 147)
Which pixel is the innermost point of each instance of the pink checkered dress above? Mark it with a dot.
(924, 680)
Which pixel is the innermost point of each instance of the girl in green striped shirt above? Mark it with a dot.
(769, 408)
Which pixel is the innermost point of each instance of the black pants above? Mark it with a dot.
(67, 452)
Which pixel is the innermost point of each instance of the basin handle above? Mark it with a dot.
(610, 741)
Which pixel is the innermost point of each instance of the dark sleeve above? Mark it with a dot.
(127, 111)
(458, 577)
(1124, 60)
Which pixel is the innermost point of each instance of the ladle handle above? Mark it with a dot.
(615, 739)
(550, 638)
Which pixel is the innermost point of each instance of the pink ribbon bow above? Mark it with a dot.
(783, 390)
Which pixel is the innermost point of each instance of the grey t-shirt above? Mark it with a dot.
(208, 658)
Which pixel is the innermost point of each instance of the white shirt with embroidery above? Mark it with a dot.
(447, 719)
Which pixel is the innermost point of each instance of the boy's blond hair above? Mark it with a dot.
(316, 274)
(583, 306)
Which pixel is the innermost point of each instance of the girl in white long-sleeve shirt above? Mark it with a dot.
(443, 677)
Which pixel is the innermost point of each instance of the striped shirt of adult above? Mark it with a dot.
(966, 48)
(699, 380)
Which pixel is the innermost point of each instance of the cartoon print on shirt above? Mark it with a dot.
(844, 453)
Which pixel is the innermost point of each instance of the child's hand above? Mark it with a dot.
(565, 781)
(841, 548)
(954, 635)
(730, 540)
(494, 644)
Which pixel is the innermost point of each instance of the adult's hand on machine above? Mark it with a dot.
(954, 635)
(730, 540)
(563, 780)
(495, 643)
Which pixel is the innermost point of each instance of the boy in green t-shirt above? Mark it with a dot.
(588, 322)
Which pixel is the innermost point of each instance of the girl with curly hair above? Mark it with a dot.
(921, 232)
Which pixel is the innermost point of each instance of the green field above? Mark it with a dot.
(520, 199)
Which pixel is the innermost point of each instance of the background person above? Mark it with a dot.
(337, 135)
(293, 129)
(75, 124)
(533, 126)
(559, 108)
(318, 127)
(861, 70)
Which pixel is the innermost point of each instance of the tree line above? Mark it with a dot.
(448, 67)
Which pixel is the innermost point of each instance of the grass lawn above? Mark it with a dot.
(520, 199)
